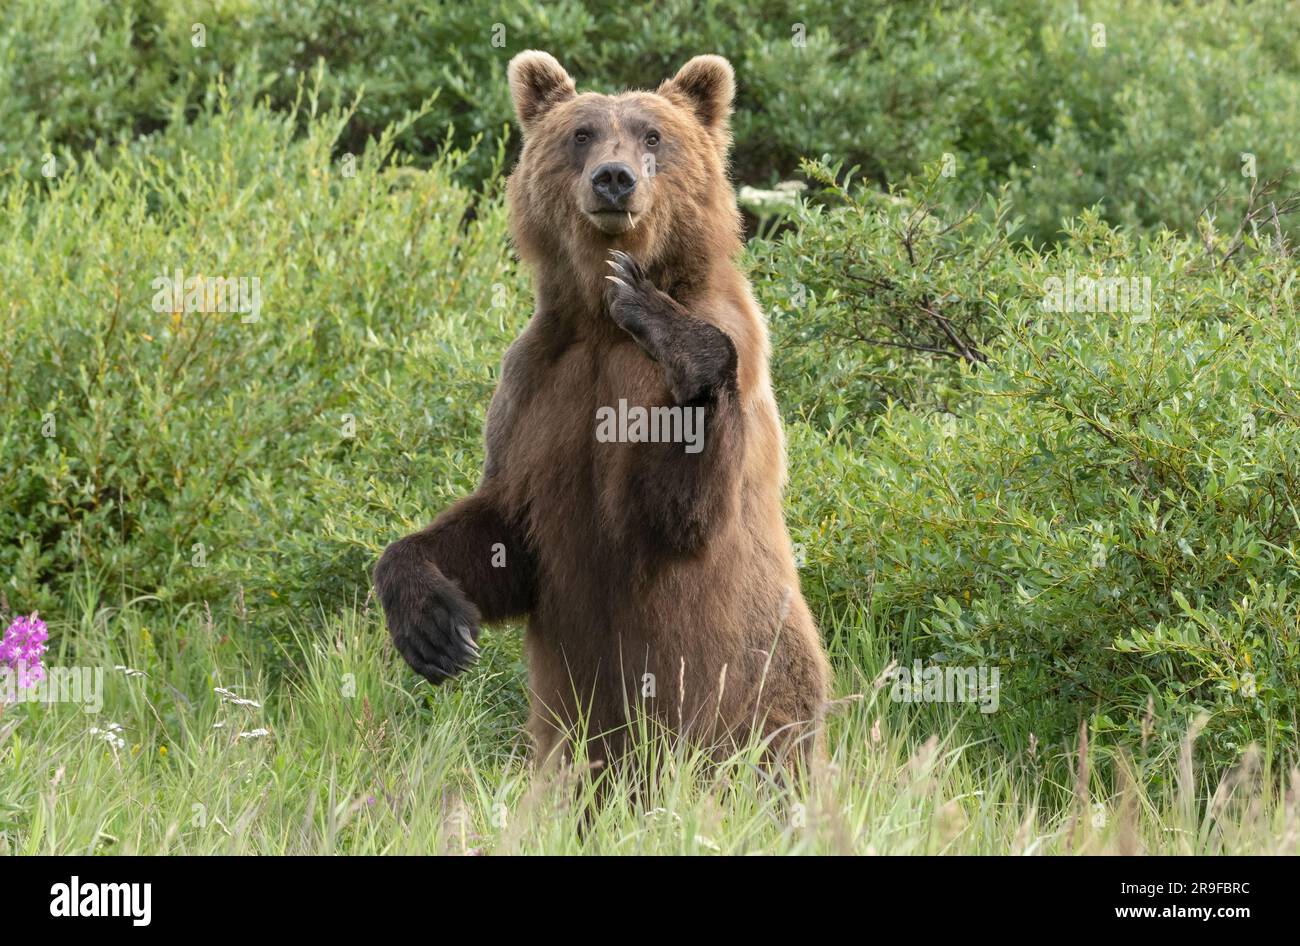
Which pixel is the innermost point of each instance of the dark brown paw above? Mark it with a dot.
(433, 627)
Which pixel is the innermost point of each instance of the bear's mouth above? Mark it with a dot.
(613, 221)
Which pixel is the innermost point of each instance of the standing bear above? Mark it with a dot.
(630, 504)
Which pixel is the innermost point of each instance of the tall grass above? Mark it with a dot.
(361, 757)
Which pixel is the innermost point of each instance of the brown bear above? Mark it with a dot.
(630, 503)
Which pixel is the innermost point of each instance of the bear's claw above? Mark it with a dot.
(629, 293)
(626, 267)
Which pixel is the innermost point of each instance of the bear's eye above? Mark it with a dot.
(582, 136)
(652, 139)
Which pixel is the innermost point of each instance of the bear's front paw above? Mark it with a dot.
(433, 627)
(630, 293)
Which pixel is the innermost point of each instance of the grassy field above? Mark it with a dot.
(347, 752)
(1096, 502)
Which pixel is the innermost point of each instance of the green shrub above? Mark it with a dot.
(1149, 116)
(178, 453)
(873, 297)
(1104, 510)
(1154, 123)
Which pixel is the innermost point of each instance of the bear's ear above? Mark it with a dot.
(537, 84)
(708, 84)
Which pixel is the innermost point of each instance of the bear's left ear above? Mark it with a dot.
(708, 85)
(537, 84)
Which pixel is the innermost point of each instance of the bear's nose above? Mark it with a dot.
(613, 183)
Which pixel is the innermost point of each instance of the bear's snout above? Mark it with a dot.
(613, 184)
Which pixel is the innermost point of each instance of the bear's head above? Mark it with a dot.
(643, 172)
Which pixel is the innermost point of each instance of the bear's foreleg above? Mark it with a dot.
(437, 584)
(682, 494)
(698, 358)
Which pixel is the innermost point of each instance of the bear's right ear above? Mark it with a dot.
(537, 84)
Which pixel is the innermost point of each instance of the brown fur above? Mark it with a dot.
(628, 558)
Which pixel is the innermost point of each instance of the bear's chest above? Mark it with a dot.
(563, 434)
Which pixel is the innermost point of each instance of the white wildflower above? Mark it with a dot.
(111, 734)
(228, 696)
